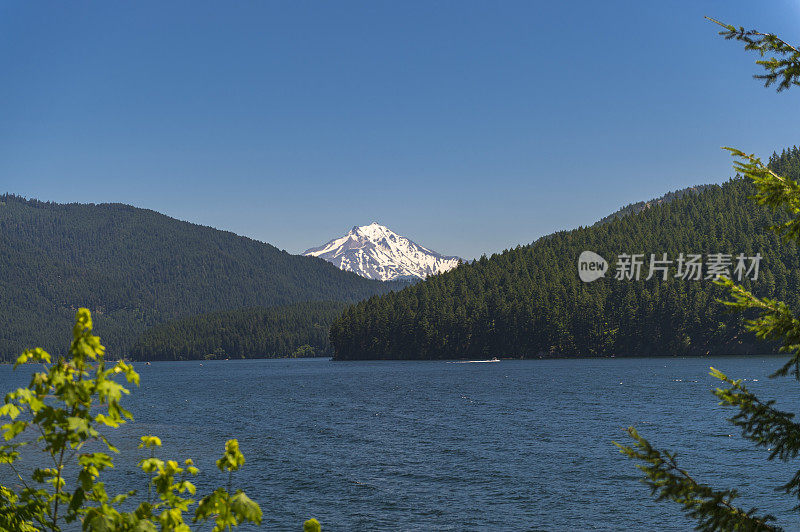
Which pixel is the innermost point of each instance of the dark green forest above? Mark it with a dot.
(529, 301)
(296, 330)
(135, 268)
(639, 206)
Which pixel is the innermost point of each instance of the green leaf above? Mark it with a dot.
(312, 525)
(244, 508)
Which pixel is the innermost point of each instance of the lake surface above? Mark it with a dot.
(514, 445)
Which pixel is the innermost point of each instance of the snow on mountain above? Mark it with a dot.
(375, 252)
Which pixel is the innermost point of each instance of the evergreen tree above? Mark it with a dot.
(136, 268)
(296, 330)
(761, 422)
(529, 302)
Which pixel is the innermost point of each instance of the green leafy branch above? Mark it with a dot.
(57, 413)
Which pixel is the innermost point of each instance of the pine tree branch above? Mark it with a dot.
(773, 190)
(763, 424)
(714, 510)
(786, 69)
(741, 31)
(760, 421)
(776, 322)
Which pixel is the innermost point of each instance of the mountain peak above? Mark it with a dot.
(376, 252)
(372, 231)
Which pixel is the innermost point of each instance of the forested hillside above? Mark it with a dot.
(136, 268)
(639, 206)
(529, 301)
(299, 329)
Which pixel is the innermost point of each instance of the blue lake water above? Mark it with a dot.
(514, 445)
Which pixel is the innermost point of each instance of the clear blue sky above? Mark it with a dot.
(468, 126)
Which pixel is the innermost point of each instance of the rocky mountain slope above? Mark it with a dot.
(376, 252)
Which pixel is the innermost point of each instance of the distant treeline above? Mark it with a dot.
(639, 206)
(297, 330)
(529, 301)
(135, 268)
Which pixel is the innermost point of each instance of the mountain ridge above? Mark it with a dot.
(136, 268)
(639, 206)
(529, 301)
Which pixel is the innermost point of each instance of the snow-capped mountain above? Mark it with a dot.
(375, 252)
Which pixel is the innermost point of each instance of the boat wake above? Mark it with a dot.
(495, 359)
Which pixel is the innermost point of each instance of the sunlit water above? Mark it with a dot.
(514, 445)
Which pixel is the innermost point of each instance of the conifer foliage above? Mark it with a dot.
(761, 422)
(136, 268)
(296, 330)
(529, 301)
